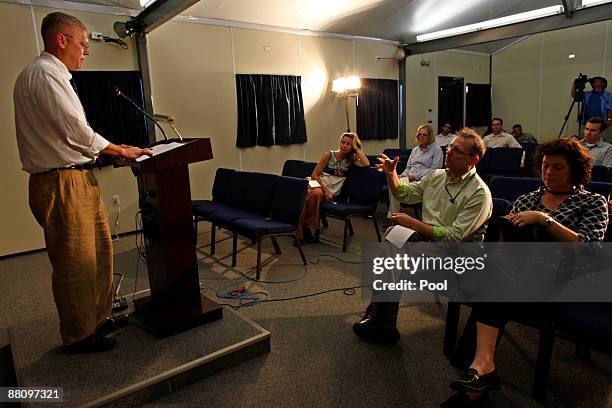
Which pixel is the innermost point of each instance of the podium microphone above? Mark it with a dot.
(121, 94)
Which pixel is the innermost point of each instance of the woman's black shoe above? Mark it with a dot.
(460, 400)
(471, 381)
(308, 238)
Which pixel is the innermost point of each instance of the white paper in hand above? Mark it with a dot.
(398, 235)
(313, 183)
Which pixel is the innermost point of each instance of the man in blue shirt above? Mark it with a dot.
(597, 102)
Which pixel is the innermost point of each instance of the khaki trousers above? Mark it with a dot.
(67, 204)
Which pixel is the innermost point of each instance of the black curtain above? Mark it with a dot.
(478, 105)
(109, 115)
(270, 110)
(377, 111)
(450, 101)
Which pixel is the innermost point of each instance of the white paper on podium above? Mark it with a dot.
(159, 149)
(398, 235)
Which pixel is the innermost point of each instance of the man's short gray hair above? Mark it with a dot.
(478, 147)
(52, 22)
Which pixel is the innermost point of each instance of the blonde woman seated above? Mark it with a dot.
(330, 173)
(425, 157)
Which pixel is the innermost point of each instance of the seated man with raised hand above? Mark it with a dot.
(456, 207)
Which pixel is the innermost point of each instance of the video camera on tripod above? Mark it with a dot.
(579, 84)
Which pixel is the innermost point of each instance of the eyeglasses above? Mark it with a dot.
(85, 45)
(455, 150)
(422, 135)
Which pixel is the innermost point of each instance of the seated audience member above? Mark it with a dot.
(499, 138)
(445, 136)
(330, 173)
(562, 210)
(523, 138)
(600, 151)
(425, 157)
(456, 206)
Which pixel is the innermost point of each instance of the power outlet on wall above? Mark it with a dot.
(116, 201)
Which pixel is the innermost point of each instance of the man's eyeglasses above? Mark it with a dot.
(85, 45)
(455, 150)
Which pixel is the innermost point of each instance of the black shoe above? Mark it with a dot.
(308, 238)
(471, 381)
(315, 239)
(113, 323)
(460, 400)
(92, 344)
(378, 324)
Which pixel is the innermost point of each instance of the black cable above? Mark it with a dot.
(117, 41)
(315, 259)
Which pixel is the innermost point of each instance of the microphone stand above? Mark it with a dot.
(119, 93)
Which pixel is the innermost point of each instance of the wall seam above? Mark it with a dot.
(231, 30)
(540, 83)
(38, 50)
(605, 50)
(299, 38)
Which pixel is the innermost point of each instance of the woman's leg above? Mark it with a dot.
(310, 214)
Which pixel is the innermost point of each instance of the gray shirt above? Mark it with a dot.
(601, 153)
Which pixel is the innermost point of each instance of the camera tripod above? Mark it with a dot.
(578, 99)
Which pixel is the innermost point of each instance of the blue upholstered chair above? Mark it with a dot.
(501, 207)
(287, 202)
(359, 197)
(599, 173)
(509, 188)
(298, 168)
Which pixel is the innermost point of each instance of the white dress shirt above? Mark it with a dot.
(50, 122)
(444, 140)
(502, 140)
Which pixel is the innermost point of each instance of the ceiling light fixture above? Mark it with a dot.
(496, 22)
(590, 3)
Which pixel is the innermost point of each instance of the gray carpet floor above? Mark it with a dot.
(315, 358)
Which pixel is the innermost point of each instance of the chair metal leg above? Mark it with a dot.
(450, 331)
(299, 246)
(234, 248)
(275, 243)
(376, 229)
(542, 367)
(213, 239)
(346, 228)
(350, 225)
(258, 272)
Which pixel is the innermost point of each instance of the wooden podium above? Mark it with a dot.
(175, 303)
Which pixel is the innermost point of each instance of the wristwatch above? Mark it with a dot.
(549, 220)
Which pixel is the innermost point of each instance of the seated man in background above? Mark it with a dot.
(499, 138)
(600, 151)
(523, 138)
(425, 157)
(445, 136)
(456, 207)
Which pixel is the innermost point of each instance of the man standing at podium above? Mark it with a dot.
(58, 148)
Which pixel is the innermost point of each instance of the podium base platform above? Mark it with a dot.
(167, 322)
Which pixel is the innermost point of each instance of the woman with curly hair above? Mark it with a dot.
(561, 210)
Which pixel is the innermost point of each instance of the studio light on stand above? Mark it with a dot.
(347, 87)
